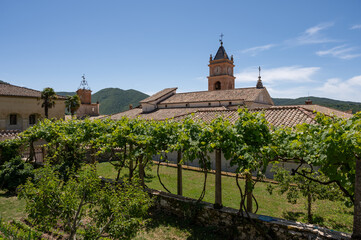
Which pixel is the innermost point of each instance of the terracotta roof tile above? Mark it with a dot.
(158, 95)
(12, 90)
(9, 133)
(327, 111)
(159, 114)
(245, 94)
(288, 116)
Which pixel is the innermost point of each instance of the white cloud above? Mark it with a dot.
(346, 90)
(255, 50)
(294, 92)
(312, 35)
(273, 75)
(357, 26)
(342, 52)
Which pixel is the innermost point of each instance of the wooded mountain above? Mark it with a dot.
(114, 100)
(336, 104)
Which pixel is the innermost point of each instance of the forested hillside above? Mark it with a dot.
(336, 104)
(114, 100)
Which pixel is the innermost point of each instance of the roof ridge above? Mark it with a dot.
(217, 90)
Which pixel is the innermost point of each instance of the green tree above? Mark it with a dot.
(48, 96)
(294, 185)
(72, 104)
(114, 210)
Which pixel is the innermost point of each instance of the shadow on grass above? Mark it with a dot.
(158, 219)
(316, 219)
(293, 216)
(7, 194)
(339, 226)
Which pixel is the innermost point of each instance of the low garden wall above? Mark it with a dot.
(228, 220)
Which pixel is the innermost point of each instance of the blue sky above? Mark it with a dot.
(303, 47)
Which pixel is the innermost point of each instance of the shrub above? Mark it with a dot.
(14, 173)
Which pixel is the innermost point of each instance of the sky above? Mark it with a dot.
(304, 48)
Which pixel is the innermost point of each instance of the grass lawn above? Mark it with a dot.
(11, 207)
(333, 215)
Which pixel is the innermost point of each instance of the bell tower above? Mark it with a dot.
(221, 70)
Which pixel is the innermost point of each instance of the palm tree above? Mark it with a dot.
(48, 96)
(72, 103)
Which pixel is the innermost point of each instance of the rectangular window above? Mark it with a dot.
(13, 119)
(32, 120)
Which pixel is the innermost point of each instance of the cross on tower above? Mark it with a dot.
(221, 39)
(259, 71)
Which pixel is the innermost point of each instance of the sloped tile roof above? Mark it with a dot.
(245, 94)
(9, 133)
(158, 95)
(288, 116)
(12, 90)
(327, 111)
(160, 114)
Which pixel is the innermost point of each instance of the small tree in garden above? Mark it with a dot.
(83, 203)
(13, 173)
(9, 149)
(48, 96)
(295, 185)
(245, 143)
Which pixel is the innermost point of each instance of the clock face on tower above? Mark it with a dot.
(217, 70)
(229, 70)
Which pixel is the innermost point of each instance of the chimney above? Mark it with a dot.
(308, 102)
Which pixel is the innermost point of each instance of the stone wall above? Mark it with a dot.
(229, 221)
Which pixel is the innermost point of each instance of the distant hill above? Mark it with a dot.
(3, 82)
(336, 104)
(114, 100)
(66, 93)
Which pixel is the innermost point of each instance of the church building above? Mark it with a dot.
(221, 94)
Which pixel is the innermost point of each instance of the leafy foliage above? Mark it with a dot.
(14, 173)
(9, 149)
(82, 202)
(294, 185)
(18, 230)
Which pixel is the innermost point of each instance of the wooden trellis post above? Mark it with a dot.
(141, 171)
(249, 192)
(179, 174)
(218, 197)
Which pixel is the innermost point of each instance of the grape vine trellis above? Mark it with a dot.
(333, 144)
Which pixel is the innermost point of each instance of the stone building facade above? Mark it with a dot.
(20, 107)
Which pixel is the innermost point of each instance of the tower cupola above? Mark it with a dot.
(221, 70)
